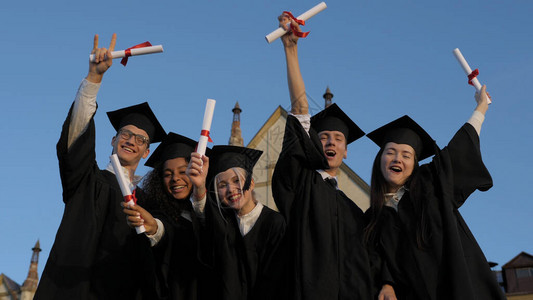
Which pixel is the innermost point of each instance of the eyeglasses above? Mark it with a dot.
(139, 139)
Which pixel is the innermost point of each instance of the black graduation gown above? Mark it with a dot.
(453, 265)
(327, 258)
(246, 267)
(95, 255)
(179, 269)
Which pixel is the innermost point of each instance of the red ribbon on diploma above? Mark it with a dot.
(127, 53)
(301, 22)
(127, 198)
(472, 76)
(206, 133)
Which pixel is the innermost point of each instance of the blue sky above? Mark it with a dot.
(381, 60)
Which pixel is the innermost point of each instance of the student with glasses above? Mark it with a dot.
(96, 255)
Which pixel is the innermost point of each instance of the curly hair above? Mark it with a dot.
(157, 196)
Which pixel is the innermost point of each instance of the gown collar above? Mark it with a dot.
(393, 199)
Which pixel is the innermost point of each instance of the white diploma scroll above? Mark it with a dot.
(206, 126)
(467, 69)
(123, 183)
(134, 52)
(274, 35)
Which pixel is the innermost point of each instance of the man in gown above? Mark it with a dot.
(96, 255)
(327, 258)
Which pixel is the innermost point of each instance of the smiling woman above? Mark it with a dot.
(166, 192)
(428, 250)
(245, 236)
(397, 164)
(229, 190)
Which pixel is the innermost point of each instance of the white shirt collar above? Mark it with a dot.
(246, 222)
(136, 178)
(325, 175)
(393, 199)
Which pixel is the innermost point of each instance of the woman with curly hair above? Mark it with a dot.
(168, 219)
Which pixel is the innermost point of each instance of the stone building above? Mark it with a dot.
(10, 290)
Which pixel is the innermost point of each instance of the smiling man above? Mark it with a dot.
(96, 255)
(324, 227)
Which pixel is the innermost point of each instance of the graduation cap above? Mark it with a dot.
(333, 118)
(405, 131)
(173, 146)
(142, 117)
(223, 158)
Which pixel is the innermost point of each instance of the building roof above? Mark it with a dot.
(522, 260)
(11, 286)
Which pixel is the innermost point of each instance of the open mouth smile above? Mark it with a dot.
(234, 198)
(178, 188)
(395, 169)
(330, 153)
(127, 149)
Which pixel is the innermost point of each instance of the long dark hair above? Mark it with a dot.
(157, 196)
(378, 188)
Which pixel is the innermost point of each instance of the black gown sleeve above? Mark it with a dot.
(299, 151)
(462, 160)
(76, 163)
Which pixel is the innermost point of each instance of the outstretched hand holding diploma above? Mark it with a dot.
(289, 39)
(483, 100)
(299, 103)
(301, 18)
(472, 80)
(103, 59)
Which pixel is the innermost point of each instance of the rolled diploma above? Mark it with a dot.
(467, 69)
(122, 182)
(134, 52)
(206, 125)
(274, 35)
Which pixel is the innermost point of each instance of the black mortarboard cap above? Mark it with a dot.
(333, 118)
(173, 146)
(405, 131)
(142, 117)
(223, 158)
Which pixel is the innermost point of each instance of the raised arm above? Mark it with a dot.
(85, 101)
(482, 106)
(197, 172)
(294, 76)
(463, 153)
(482, 99)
